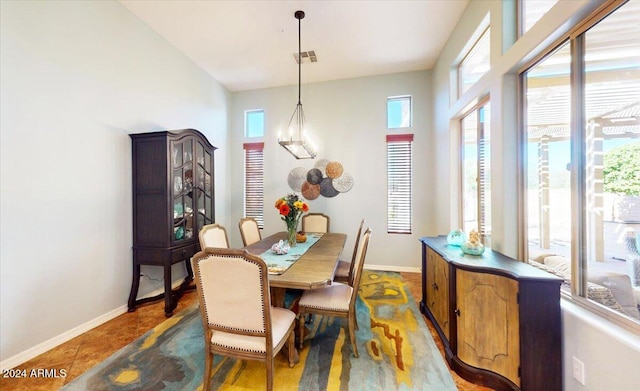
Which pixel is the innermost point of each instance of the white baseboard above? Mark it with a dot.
(58, 340)
(51, 343)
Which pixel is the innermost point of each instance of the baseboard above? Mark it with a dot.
(58, 340)
(49, 344)
(393, 268)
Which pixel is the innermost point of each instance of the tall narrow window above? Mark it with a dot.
(254, 123)
(399, 167)
(254, 182)
(476, 172)
(548, 186)
(476, 63)
(399, 112)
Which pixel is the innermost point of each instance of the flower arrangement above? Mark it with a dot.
(291, 209)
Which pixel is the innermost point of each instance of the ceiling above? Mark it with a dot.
(249, 45)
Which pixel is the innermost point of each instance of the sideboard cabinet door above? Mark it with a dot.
(438, 290)
(488, 323)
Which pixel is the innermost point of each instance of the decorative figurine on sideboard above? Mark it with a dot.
(456, 237)
(473, 246)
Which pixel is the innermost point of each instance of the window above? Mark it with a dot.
(583, 159)
(399, 167)
(531, 11)
(399, 112)
(549, 154)
(476, 172)
(475, 63)
(254, 123)
(254, 182)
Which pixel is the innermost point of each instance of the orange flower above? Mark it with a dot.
(284, 209)
(305, 207)
(279, 203)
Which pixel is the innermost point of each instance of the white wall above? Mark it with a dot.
(348, 120)
(610, 354)
(76, 79)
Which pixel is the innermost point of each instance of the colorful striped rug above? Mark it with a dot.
(396, 353)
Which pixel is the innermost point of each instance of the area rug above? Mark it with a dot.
(396, 352)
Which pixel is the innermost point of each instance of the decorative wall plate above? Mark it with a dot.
(322, 165)
(314, 176)
(334, 170)
(327, 189)
(343, 183)
(310, 191)
(297, 177)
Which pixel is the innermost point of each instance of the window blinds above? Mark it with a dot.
(399, 167)
(254, 182)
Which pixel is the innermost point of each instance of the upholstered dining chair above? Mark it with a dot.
(315, 222)
(236, 311)
(344, 270)
(337, 299)
(213, 235)
(249, 231)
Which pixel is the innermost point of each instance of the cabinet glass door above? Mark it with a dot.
(182, 183)
(204, 191)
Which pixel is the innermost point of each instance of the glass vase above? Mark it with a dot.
(291, 235)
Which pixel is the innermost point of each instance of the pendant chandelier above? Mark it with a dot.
(302, 147)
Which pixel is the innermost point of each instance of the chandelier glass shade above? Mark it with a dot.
(297, 140)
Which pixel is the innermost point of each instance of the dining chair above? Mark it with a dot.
(344, 270)
(236, 311)
(249, 230)
(315, 222)
(337, 299)
(213, 235)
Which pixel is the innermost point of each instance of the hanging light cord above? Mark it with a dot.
(299, 15)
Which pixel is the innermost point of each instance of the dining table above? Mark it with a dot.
(313, 269)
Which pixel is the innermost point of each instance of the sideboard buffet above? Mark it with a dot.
(173, 198)
(498, 318)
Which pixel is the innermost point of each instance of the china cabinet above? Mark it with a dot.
(173, 198)
(499, 319)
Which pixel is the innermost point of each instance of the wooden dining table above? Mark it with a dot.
(314, 269)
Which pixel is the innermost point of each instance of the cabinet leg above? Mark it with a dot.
(135, 284)
(168, 294)
(187, 263)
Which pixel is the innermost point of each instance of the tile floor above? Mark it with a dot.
(85, 351)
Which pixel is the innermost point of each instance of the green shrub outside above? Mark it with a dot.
(622, 170)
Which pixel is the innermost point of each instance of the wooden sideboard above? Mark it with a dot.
(499, 319)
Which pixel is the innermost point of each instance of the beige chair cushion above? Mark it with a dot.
(240, 311)
(333, 297)
(281, 320)
(214, 237)
(342, 270)
(314, 223)
(250, 231)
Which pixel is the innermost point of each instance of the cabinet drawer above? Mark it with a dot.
(183, 253)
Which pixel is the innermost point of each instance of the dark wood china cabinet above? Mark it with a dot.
(173, 198)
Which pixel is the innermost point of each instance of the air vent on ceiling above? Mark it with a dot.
(307, 57)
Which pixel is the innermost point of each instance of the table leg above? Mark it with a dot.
(277, 296)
